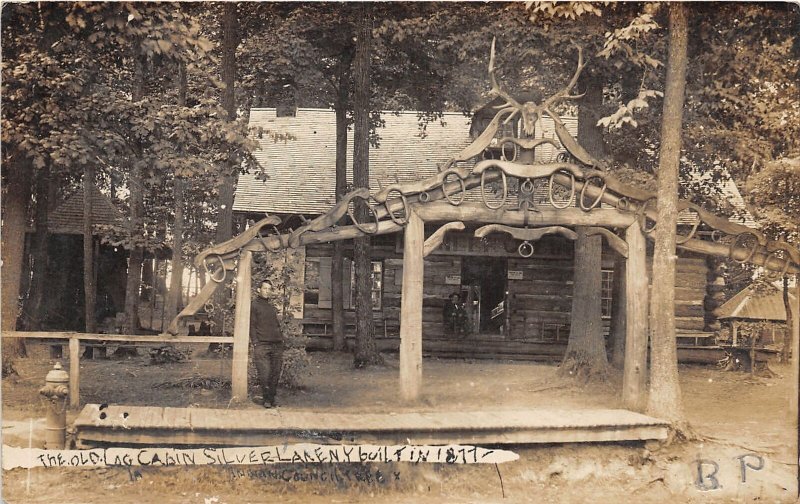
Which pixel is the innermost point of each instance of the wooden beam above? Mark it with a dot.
(74, 373)
(121, 338)
(411, 309)
(478, 213)
(693, 245)
(634, 379)
(241, 327)
(723, 250)
(312, 237)
(237, 241)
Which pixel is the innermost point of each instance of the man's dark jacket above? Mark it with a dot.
(264, 325)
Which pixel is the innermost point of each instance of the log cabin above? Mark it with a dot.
(518, 302)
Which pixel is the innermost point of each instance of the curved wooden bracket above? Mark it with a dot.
(619, 245)
(569, 143)
(434, 240)
(485, 139)
(526, 234)
(237, 241)
(329, 218)
(420, 186)
(194, 305)
(527, 171)
(722, 223)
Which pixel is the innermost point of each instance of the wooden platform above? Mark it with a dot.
(156, 426)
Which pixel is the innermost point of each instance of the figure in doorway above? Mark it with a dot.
(455, 316)
(267, 341)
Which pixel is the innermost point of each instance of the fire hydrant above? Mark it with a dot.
(56, 391)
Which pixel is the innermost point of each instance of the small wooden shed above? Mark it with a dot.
(749, 305)
(62, 303)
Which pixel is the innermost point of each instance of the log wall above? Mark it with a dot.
(539, 302)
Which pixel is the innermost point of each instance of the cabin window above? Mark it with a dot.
(321, 276)
(377, 284)
(606, 287)
(506, 130)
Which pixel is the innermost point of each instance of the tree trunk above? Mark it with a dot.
(787, 305)
(586, 355)
(136, 257)
(15, 213)
(89, 292)
(230, 40)
(148, 280)
(337, 267)
(45, 197)
(665, 394)
(366, 351)
(176, 277)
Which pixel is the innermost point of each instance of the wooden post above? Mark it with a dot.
(618, 313)
(795, 388)
(74, 373)
(241, 327)
(634, 378)
(795, 395)
(411, 309)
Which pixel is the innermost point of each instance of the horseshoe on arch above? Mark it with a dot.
(357, 224)
(397, 220)
(599, 196)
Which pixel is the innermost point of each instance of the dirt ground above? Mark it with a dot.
(742, 422)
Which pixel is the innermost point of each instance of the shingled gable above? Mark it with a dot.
(68, 216)
(301, 169)
(747, 304)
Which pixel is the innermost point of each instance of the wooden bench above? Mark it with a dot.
(324, 327)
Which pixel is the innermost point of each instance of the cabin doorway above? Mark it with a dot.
(483, 281)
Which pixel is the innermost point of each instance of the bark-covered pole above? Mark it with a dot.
(366, 351)
(136, 255)
(15, 207)
(337, 269)
(665, 394)
(89, 294)
(586, 354)
(230, 174)
(176, 277)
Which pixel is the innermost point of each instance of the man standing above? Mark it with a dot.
(267, 340)
(455, 316)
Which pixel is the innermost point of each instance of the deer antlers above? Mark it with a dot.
(531, 111)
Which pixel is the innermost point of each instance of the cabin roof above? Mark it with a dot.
(298, 155)
(301, 169)
(747, 305)
(67, 218)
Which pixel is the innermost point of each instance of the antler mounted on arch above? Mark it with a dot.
(531, 111)
(564, 94)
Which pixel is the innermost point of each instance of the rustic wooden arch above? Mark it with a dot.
(440, 199)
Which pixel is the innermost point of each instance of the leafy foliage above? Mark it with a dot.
(775, 190)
